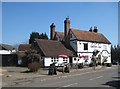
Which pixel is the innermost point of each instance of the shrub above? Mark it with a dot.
(31, 58)
(80, 66)
(109, 64)
(91, 65)
(34, 66)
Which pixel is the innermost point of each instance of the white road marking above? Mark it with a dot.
(72, 75)
(106, 86)
(80, 74)
(99, 77)
(96, 78)
(63, 76)
(43, 80)
(70, 85)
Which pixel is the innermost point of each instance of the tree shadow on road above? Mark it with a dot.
(113, 83)
(27, 71)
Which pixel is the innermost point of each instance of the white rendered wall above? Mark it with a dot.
(5, 52)
(50, 60)
(78, 46)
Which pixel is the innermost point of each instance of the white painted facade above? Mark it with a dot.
(79, 47)
(81, 50)
(76, 60)
(7, 51)
(49, 60)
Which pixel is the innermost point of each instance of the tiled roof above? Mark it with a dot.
(6, 47)
(1, 47)
(89, 36)
(52, 48)
(60, 34)
(24, 47)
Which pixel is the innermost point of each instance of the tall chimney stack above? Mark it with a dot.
(52, 31)
(66, 30)
(66, 26)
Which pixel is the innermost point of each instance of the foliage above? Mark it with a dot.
(109, 65)
(34, 66)
(115, 53)
(43, 36)
(32, 60)
(32, 56)
(35, 35)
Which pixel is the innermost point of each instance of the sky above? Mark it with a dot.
(20, 19)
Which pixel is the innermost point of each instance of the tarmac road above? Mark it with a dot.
(106, 77)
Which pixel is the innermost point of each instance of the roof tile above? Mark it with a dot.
(24, 47)
(89, 36)
(60, 34)
(52, 48)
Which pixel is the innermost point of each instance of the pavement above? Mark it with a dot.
(1, 71)
(12, 76)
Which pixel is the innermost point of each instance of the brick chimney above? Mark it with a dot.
(52, 31)
(66, 30)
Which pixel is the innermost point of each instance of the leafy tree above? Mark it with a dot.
(32, 56)
(115, 53)
(112, 54)
(118, 53)
(32, 60)
(33, 35)
(43, 36)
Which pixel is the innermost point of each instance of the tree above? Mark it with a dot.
(33, 35)
(32, 60)
(118, 53)
(115, 53)
(112, 54)
(43, 36)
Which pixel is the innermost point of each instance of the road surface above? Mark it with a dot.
(106, 77)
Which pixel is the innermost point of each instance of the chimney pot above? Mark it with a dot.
(52, 25)
(95, 29)
(91, 29)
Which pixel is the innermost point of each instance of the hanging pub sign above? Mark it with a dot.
(95, 45)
